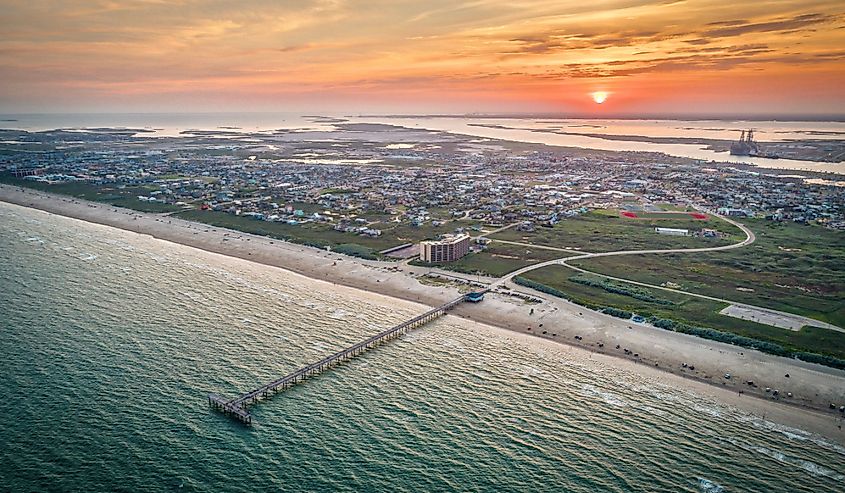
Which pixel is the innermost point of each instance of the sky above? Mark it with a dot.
(681, 57)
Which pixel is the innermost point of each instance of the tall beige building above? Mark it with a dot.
(447, 249)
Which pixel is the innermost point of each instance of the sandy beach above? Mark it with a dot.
(666, 355)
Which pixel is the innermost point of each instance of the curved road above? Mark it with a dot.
(749, 239)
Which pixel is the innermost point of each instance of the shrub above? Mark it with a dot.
(612, 287)
(355, 250)
(705, 333)
(748, 342)
(616, 312)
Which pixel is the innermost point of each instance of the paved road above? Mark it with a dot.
(540, 247)
(492, 232)
(749, 239)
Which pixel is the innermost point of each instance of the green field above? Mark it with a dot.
(673, 207)
(319, 234)
(606, 231)
(686, 309)
(120, 197)
(498, 259)
(315, 234)
(791, 267)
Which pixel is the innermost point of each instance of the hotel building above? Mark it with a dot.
(447, 249)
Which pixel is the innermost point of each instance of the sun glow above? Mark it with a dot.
(600, 96)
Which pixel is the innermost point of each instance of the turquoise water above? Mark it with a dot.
(111, 340)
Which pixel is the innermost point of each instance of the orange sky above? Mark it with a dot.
(684, 56)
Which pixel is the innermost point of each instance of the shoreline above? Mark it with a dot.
(694, 152)
(658, 352)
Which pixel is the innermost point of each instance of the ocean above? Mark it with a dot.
(111, 340)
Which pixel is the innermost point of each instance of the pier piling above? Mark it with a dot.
(236, 408)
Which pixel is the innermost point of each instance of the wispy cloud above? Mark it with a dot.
(79, 49)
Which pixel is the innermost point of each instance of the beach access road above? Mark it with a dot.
(784, 319)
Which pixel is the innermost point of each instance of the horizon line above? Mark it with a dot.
(797, 117)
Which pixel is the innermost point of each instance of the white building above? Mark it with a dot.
(672, 231)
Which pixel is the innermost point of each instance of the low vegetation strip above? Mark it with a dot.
(355, 250)
(617, 288)
(706, 333)
(522, 281)
(747, 342)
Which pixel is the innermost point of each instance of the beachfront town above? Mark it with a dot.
(355, 183)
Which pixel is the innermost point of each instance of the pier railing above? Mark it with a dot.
(236, 407)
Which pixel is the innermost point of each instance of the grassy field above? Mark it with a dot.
(498, 259)
(319, 234)
(791, 267)
(686, 309)
(125, 197)
(607, 231)
(673, 207)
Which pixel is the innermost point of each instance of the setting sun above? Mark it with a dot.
(600, 96)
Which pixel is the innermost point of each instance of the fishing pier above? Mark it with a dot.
(237, 407)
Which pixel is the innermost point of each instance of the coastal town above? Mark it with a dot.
(525, 217)
(372, 178)
(488, 246)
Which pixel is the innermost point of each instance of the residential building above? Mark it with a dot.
(447, 249)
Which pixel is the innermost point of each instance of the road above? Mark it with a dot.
(539, 247)
(749, 239)
(494, 231)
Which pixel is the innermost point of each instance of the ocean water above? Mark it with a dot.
(111, 340)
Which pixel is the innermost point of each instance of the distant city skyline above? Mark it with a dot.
(594, 59)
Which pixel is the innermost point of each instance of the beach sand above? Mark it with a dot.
(653, 351)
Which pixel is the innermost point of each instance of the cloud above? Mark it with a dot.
(141, 46)
(779, 25)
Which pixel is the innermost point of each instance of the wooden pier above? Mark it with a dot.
(237, 407)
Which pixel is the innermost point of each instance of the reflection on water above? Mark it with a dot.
(111, 340)
(545, 132)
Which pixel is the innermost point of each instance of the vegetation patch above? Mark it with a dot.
(356, 250)
(607, 231)
(791, 267)
(496, 260)
(624, 289)
(747, 342)
(684, 309)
